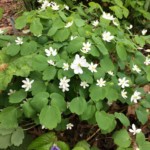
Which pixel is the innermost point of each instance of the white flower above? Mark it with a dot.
(43, 127)
(69, 126)
(63, 84)
(1, 31)
(40, 1)
(136, 96)
(11, 91)
(144, 31)
(45, 4)
(66, 7)
(107, 16)
(54, 6)
(106, 36)
(124, 94)
(92, 67)
(73, 37)
(19, 41)
(65, 66)
(130, 27)
(136, 68)
(147, 61)
(147, 50)
(78, 63)
(84, 84)
(27, 84)
(50, 52)
(86, 47)
(51, 62)
(110, 73)
(69, 24)
(26, 31)
(139, 47)
(68, 105)
(101, 82)
(115, 23)
(134, 130)
(95, 23)
(123, 82)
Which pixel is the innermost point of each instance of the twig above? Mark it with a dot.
(90, 137)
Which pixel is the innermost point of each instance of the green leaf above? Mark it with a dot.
(94, 51)
(86, 76)
(100, 45)
(123, 119)
(119, 3)
(58, 23)
(49, 73)
(78, 148)
(38, 86)
(83, 144)
(62, 145)
(148, 72)
(142, 115)
(117, 10)
(5, 79)
(8, 117)
(78, 105)
(121, 51)
(5, 131)
(75, 45)
(28, 110)
(18, 96)
(107, 64)
(112, 94)
(50, 116)
(122, 138)
(125, 12)
(140, 138)
(46, 139)
(61, 35)
(58, 101)
(13, 49)
(5, 141)
(79, 22)
(36, 27)
(17, 137)
(89, 112)
(145, 146)
(28, 48)
(39, 101)
(105, 121)
(97, 93)
(21, 22)
(52, 31)
(39, 63)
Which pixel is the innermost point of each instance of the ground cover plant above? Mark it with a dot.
(77, 77)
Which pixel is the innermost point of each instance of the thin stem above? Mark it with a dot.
(90, 137)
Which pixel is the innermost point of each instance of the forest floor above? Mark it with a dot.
(11, 9)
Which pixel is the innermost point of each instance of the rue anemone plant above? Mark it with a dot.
(82, 61)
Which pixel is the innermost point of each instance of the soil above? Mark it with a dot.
(11, 8)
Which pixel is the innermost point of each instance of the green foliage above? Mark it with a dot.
(51, 121)
(122, 138)
(106, 122)
(68, 65)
